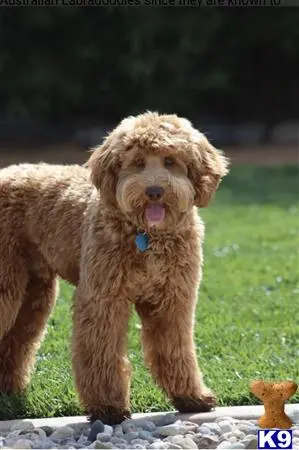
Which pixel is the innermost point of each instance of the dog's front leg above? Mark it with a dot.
(102, 371)
(169, 350)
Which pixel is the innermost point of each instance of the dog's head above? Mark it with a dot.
(155, 168)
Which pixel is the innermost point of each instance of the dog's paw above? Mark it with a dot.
(110, 415)
(204, 403)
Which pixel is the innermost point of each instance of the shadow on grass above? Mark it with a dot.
(260, 185)
(13, 406)
(21, 406)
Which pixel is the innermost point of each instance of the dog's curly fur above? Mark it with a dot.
(81, 223)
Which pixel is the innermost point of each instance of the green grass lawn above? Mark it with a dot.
(247, 323)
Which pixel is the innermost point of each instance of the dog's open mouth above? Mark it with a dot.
(155, 213)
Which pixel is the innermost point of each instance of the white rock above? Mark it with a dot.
(213, 427)
(228, 418)
(146, 435)
(225, 444)
(191, 434)
(146, 425)
(245, 421)
(191, 425)
(66, 444)
(225, 426)
(128, 426)
(186, 442)
(240, 435)
(158, 445)
(247, 428)
(82, 439)
(13, 434)
(167, 419)
(130, 436)
(24, 425)
(248, 437)
(105, 435)
(250, 443)
(44, 444)
(206, 440)
(37, 435)
(42, 434)
(173, 439)
(235, 434)
(108, 429)
(178, 427)
(204, 430)
(62, 433)
(118, 431)
(22, 443)
(139, 442)
(100, 444)
(229, 437)
(116, 440)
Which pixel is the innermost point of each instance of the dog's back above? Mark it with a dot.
(42, 210)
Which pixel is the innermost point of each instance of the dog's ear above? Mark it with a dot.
(206, 171)
(104, 166)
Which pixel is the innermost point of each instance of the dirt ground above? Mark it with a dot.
(73, 153)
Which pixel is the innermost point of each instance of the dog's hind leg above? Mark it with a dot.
(13, 282)
(19, 345)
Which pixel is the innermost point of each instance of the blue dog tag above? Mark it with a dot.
(141, 241)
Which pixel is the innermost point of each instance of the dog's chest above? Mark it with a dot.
(151, 268)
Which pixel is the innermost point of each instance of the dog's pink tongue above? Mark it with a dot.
(155, 212)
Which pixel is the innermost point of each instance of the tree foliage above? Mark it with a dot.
(66, 63)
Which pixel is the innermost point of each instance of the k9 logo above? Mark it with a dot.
(268, 439)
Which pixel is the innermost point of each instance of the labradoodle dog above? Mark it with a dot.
(124, 230)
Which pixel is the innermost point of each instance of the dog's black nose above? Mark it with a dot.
(154, 192)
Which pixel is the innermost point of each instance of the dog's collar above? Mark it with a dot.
(142, 240)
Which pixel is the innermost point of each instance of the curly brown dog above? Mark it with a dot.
(125, 231)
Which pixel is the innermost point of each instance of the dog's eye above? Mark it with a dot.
(139, 163)
(168, 161)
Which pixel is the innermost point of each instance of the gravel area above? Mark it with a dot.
(166, 433)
